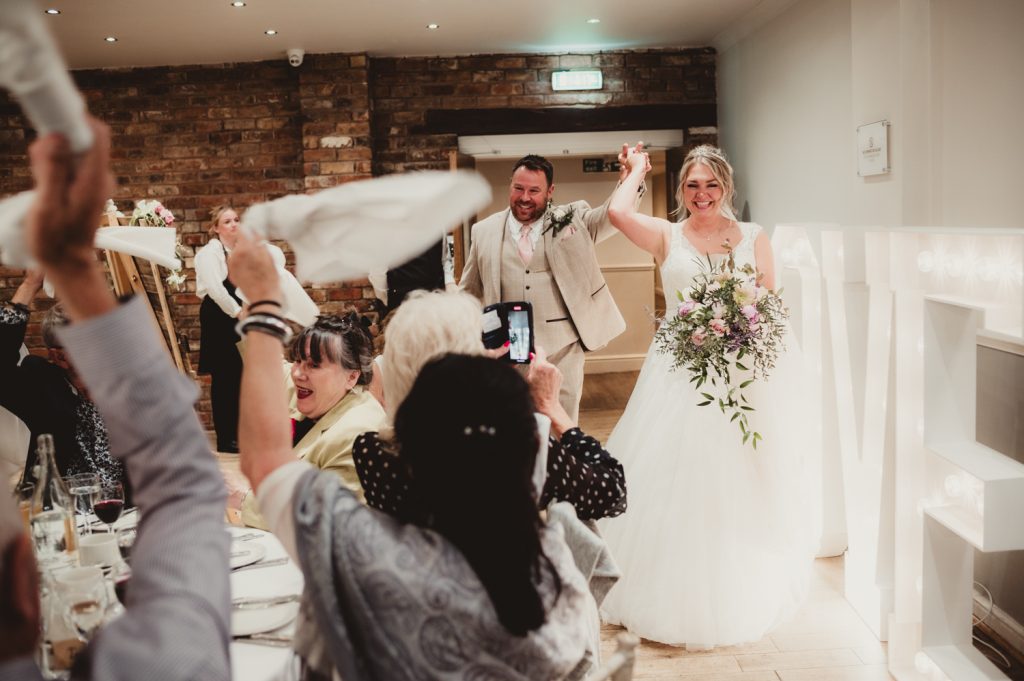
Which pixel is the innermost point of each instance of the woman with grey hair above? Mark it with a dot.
(48, 395)
(576, 469)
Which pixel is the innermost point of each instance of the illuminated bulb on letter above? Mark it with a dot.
(954, 486)
(955, 267)
(925, 262)
(988, 270)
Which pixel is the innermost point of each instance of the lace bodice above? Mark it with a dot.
(684, 262)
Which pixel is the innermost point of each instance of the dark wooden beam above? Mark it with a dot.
(565, 119)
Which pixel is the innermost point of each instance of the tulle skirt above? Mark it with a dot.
(717, 545)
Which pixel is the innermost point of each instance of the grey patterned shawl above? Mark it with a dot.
(393, 602)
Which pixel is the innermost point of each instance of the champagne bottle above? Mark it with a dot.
(54, 534)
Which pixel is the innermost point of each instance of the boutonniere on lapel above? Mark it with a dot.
(559, 218)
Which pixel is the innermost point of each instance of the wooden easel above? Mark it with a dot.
(126, 278)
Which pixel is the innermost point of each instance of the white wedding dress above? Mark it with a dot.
(718, 541)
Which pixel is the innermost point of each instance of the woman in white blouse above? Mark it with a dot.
(218, 354)
(218, 314)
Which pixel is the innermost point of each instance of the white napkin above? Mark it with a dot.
(13, 249)
(297, 305)
(155, 244)
(346, 232)
(32, 69)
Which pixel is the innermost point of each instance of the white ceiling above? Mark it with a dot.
(165, 32)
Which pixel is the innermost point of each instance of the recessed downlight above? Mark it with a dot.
(270, 31)
(433, 27)
(594, 20)
(238, 3)
(53, 10)
(110, 39)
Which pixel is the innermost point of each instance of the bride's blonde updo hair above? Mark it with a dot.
(714, 160)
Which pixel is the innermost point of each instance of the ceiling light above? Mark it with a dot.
(238, 3)
(270, 31)
(110, 39)
(433, 27)
(593, 21)
(53, 11)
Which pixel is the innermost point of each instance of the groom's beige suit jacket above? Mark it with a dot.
(572, 262)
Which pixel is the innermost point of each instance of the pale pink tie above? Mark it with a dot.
(525, 245)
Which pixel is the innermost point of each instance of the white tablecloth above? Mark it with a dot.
(257, 662)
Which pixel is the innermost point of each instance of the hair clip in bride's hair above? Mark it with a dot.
(482, 429)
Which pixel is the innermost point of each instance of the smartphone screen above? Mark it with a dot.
(519, 335)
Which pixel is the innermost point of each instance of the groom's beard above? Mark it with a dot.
(535, 213)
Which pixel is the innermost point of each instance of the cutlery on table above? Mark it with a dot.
(275, 640)
(261, 564)
(263, 602)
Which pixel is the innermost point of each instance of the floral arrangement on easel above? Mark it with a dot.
(152, 213)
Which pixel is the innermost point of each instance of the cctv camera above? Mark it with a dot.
(295, 56)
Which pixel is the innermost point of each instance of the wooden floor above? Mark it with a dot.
(826, 640)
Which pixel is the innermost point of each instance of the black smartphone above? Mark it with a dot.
(510, 323)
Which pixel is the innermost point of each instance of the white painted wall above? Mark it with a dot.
(949, 75)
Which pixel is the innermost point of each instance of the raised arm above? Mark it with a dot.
(649, 233)
(177, 621)
(264, 431)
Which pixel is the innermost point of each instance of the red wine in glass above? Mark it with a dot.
(121, 587)
(108, 510)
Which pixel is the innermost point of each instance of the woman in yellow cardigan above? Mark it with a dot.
(332, 364)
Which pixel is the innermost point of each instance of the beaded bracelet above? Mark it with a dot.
(265, 323)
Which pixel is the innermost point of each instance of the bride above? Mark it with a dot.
(717, 545)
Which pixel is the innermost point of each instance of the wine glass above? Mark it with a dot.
(84, 595)
(109, 503)
(84, 487)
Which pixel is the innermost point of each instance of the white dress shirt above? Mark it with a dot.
(516, 228)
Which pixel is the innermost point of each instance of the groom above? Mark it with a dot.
(545, 255)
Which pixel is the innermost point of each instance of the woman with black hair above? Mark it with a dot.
(331, 367)
(480, 589)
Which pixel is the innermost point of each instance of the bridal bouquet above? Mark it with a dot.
(726, 331)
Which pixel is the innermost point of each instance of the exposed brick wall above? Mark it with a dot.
(196, 136)
(405, 89)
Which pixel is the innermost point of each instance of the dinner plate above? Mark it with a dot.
(246, 553)
(258, 621)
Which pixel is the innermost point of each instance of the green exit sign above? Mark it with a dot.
(577, 80)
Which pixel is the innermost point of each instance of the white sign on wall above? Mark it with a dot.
(873, 149)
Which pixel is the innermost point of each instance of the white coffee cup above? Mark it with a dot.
(98, 549)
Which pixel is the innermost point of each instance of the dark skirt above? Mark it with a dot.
(218, 339)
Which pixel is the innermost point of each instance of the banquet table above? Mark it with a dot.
(256, 659)
(253, 658)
